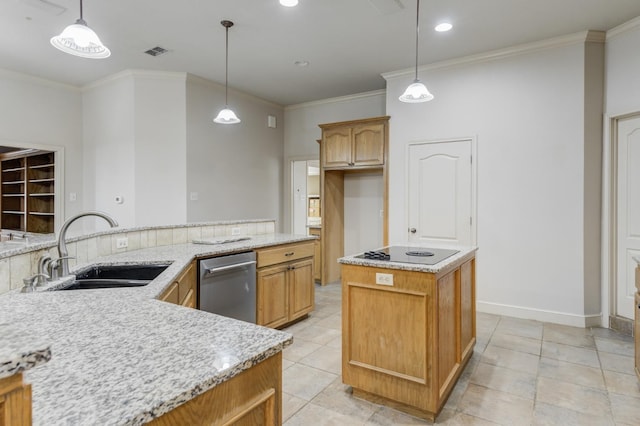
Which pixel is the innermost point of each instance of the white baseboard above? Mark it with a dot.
(541, 315)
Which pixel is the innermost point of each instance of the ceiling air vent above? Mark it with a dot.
(156, 51)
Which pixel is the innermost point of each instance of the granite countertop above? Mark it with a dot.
(119, 356)
(463, 254)
(21, 351)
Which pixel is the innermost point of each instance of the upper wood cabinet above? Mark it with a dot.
(357, 143)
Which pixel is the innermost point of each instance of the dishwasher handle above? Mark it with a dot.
(211, 271)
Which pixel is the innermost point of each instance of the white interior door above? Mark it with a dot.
(440, 193)
(628, 220)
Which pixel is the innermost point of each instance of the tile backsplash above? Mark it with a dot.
(14, 269)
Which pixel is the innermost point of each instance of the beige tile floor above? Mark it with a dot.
(521, 373)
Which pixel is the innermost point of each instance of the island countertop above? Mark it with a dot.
(118, 356)
(440, 267)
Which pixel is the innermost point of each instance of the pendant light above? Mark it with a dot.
(80, 40)
(417, 91)
(226, 115)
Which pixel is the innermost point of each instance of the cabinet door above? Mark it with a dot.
(368, 145)
(272, 296)
(336, 147)
(301, 289)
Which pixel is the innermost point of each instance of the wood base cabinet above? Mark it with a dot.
(183, 291)
(285, 288)
(252, 398)
(15, 401)
(406, 344)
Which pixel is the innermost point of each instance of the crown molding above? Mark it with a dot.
(623, 28)
(338, 99)
(493, 55)
(134, 73)
(28, 78)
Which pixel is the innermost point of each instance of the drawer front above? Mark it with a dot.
(280, 254)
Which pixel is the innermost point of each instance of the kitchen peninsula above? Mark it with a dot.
(408, 329)
(120, 356)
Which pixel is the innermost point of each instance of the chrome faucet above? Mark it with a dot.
(63, 260)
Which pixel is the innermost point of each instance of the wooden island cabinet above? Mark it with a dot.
(406, 334)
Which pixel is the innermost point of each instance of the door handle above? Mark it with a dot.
(413, 230)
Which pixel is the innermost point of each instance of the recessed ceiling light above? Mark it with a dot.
(443, 27)
(289, 3)
(302, 63)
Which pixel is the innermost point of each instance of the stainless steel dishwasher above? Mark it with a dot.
(228, 286)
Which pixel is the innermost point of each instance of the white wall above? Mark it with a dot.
(109, 141)
(235, 169)
(527, 110)
(362, 206)
(44, 113)
(301, 130)
(622, 69)
(160, 149)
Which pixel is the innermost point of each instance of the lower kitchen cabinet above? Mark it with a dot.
(15, 401)
(252, 398)
(183, 291)
(285, 288)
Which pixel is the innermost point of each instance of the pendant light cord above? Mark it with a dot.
(81, 18)
(226, 72)
(417, 32)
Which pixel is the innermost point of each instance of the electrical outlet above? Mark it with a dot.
(122, 242)
(235, 231)
(384, 279)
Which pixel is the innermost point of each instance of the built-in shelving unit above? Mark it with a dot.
(28, 194)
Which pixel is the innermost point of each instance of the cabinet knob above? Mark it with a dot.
(413, 230)
(289, 254)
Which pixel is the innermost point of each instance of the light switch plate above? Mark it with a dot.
(384, 279)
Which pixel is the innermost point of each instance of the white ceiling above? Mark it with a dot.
(348, 43)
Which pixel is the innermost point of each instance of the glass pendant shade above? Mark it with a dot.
(80, 40)
(226, 116)
(415, 93)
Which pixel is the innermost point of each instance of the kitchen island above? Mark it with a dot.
(119, 356)
(408, 329)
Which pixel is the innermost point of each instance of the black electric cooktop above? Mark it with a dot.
(424, 256)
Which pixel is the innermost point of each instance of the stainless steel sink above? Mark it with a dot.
(116, 276)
